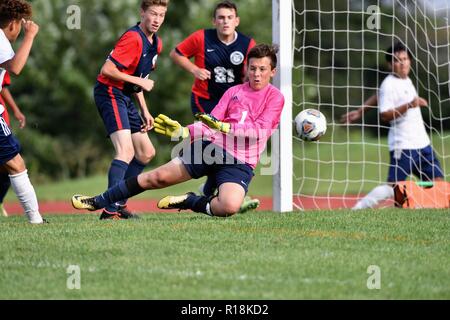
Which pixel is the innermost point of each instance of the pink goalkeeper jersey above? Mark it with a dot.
(253, 115)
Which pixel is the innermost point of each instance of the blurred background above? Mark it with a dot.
(336, 69)
(65, 137)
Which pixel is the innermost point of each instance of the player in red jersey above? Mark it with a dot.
(220, 58)
(7, 100)
(123, 77)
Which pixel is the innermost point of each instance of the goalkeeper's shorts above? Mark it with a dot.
(202, 158)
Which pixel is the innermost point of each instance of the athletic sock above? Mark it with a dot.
(123, 190)
(116, 174)
(200, 204)
(5, 183)
(135, 168)
(209, 187)
(374, 197)
(24, 191)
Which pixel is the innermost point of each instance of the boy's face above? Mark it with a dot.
(260, 72)
(226, 21)
(402, 64)
(153, 18)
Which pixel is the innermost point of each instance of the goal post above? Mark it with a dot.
(282, 140)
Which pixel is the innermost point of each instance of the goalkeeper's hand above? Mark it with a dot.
(171, 128)
(212, 122)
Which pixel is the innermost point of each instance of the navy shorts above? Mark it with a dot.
(9, 145)
(199, 104)
(423, 163)
(202, 158)
(116, 109)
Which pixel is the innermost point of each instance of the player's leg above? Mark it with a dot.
(13, 163)
(232, 180)
(5, 183)
(123, 147)
(112, 106)
(144, 152)
(171, 173)
(401, 166)
(23, 189)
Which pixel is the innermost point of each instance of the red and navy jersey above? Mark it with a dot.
(133, 55)
(6, 83)
(226, 62)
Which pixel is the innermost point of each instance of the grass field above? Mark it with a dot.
(263, 255)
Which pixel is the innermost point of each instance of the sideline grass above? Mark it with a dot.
(311, 255)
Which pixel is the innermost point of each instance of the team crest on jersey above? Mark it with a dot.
(236, 58)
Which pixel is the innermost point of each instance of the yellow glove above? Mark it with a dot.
(212, 122)
(171, 128)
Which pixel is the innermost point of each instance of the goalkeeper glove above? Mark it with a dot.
(171, 128)
(213, 123)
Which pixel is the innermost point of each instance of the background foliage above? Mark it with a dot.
(65, 137)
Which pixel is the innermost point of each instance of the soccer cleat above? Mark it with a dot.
(175, 202)
(3, 210)
(248, 205)
(111, 216)
(81, 202)
(126, 214)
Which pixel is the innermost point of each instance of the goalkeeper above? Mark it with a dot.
(226, 145)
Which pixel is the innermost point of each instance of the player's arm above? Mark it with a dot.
(9, 101)
(357, 114)
(16, 64)
(186, 64)
(392, 114)
(263, 125)
(111, 71)
(145, 114)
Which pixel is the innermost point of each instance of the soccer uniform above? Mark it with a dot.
(409, 144)
(226, 62)
(134, 55)
(254, 116)
(9, 145)
(6, 83)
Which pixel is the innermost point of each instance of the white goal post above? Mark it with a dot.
(282, 141)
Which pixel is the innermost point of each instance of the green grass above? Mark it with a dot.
(310, 255)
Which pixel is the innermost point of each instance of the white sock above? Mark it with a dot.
(375, 196)
(24, 191)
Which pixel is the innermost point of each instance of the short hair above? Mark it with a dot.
(264, 50)
(227, 5)
(397, 47)
(13, 10)
(145, 4)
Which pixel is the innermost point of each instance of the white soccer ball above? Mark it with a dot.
(310, 125)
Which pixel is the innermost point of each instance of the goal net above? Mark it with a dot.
(338, 54)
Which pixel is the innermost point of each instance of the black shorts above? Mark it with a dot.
(202, 158)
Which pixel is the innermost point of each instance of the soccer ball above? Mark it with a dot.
(310, 125)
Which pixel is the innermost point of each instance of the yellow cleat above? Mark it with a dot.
(81, 202)
(175, 202)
